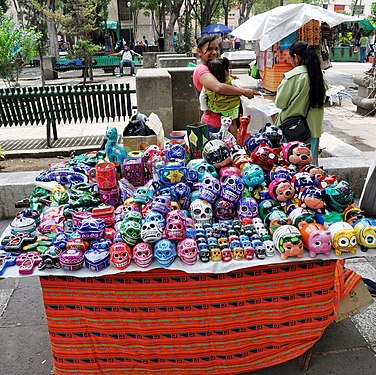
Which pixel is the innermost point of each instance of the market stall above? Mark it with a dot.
(276, 29)
(152, 261)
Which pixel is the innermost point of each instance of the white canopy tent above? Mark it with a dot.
(272, 26)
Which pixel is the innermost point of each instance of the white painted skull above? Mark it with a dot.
(269, 248)
(151, 232)
(201, 211)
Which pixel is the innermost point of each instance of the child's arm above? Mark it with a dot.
(203, 99)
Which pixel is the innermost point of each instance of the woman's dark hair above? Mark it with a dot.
(310, 59)
(207, 38)
(218, 68)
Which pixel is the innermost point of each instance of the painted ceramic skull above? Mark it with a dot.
(247, 207)
(269, 248)
(249, 252)
(226, 254)
(175, 230)
(232, 188)
(143, 195)
(182, 192)
(201, 211)
(162, 204)
(238, 253)
(156, 217)
(175, 215)
(224, 210)
(216, 255)
(204, 168)
(165, 252)
(130, 232)
(120, 255)
(188, 251)
(209, 189)
(143, 254)
(151, 232)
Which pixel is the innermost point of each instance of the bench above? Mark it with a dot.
(107, 63)
(51, 105)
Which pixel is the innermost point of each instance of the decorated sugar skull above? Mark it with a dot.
(175, 215)
(232, 188)
(209, 189)
(339, 196)
(255, 140)
(165, 252)
(172, 173)
(247, 207)
(143, 195)
(133, 216)
(151, 232)
(156, 217)
(182, 192)
(201, 211)
(130, 232)
(244, 240)
(269, 248)
(228, 171)
(343, 237)
(161, 203)
(281, 190)
(237, 253)
(131, 206)
(288, 241)
(301, 180)
(216, 153)
(253, 175)
(216, 254)
(175, 230)
(120, 255)
(204, 168)
(224, 210)
(188, 251)
(312, 198)
(143, 254)
(316, 239)
(297, 153)
(204, 253)
(274, 134)
(365, 229)
(152, 150)
(265, 156)
(226, 254)
(91, 229)
(249, 252)
(259, 249)
(176, 153)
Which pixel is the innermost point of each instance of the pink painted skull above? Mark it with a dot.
(188, 251)
(175, 230)
(226, 254)
(143, 254)
(120, 255)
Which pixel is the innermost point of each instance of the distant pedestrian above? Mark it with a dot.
(363, 44)
(146, 43)
(175, 41)
(237, 43)
(161, 43)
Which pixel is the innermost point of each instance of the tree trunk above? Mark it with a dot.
(42, 69)
(53, 48)
(174, 15)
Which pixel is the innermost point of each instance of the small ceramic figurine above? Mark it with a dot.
(365, 230)
(242, 133)
(316, 239)
(343, 237)
(288, 241)
(296, 153)
(115, 152)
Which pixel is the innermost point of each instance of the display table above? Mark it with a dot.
(171, 322)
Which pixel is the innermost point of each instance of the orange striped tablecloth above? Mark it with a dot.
(171, 322)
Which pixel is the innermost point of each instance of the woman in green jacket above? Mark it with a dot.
(302, 92)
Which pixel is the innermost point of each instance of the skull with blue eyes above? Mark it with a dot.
(204, 168)
(143, 195)
(156, 217)
(247, 207)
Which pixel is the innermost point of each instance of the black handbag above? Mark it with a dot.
(295, 128)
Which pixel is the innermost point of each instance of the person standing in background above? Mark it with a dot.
(160, 42)
(175, 41)
(146, 43)
(237, 43)
(302, 92)
(363, 44)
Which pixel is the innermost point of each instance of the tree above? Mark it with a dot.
(245, 10)
(17, 47)
(204, 11)
(4, 4)
(79, 20)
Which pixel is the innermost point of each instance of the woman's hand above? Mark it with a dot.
(249, 93)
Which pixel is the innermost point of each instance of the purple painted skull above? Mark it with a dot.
(162, 204)
(224, 210)
(247, 207)
(232, 188)
(209, 189)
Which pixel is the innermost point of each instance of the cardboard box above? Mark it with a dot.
(357, 300)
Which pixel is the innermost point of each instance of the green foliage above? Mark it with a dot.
(372, 17)
(85, 49)
(17, 47)
(4, 4)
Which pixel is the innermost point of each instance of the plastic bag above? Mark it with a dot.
(137, 126)
(255, 72)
